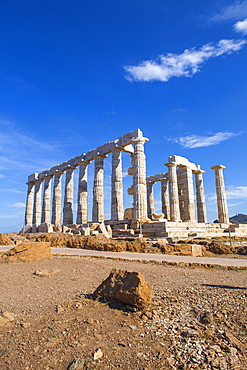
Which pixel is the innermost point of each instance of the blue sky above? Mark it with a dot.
(77, 74)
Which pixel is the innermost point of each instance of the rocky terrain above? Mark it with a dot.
(197, 319)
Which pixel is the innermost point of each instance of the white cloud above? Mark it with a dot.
(241, 27)
(18, 205)
(196, 141)
(236, 192)
(8, 216)
(1, 175)
(178, 65)
(234, 205)
(235, 11)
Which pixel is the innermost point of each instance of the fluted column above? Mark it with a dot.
(57, 198)
(139, 179)
(46, 206)
(82, 208)
(150, 199)
(221, 194)
(68, 196)
(29, 203)
(37, 202)
(200, 197)
(165, 199)
(98, 189)
(173, 192)
(117, 185)
(188, 193)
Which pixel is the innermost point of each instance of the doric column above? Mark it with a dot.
(139, 179)
(200, 197)
(57, 198)
(29, 203)
(98, 189)
(150, 199)
(221, 194)
(117, 185)
(68, 196)
(82, 216)
(37, 202)
(165, 199)
(185, 176)
(173, 192)
(46, 206)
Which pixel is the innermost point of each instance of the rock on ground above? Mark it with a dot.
(27, 252)
(127, 287)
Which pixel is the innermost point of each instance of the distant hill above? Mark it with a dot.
(239, 219)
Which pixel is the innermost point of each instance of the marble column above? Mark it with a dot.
(150, 199)
(29, 203)
(185, 175)
(200, 197)
(221, 194)
(139, 179)
(68, 196)
(165, 199)
(37, 202)
(82, 208)
(173, 192)
(46, 206)
(98, 189)
(117, 211)
(57, 198)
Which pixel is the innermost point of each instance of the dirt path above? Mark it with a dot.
(237, 262)
(197, 320)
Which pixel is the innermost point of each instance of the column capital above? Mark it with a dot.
(100, 155)
(218, 167)
(118, 148)
(139, 140)
(85, 162)
(170, 164)
(198, 172)
(31, 182)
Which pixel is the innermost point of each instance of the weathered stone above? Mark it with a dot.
(27, 252)
(102, 229)
(128, 213)
(77, 365)
(45, 227)
(127, 287)
(97, 354)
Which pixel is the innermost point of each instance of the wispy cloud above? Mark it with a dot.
(235, 11)
(8, 216)
(18, 205)
(241, 26)
(196, 141)
(234, 204)
(236, 192)
(178, 65)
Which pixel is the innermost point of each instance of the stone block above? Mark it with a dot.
(128, 213)
(127, 287)
(26, 229)
(102, 229)
(34, 228)
(45, 228)
(109, 230)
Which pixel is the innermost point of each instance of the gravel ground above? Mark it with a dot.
(197, 319)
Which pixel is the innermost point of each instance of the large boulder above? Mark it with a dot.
(27, 252)
(127, 287)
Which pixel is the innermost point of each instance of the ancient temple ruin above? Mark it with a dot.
(47, 211)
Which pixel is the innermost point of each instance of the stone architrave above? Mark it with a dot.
(173, 191)
(68, 196)
(37, 202)
(185, 176)
(150, 199)
(82, 208)
(98, 189)
(221, 194)
(200, 197)
(29, 203)
(165, 199)
(46, 207)
(117, 210)
(57, 198)
(139, 179)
